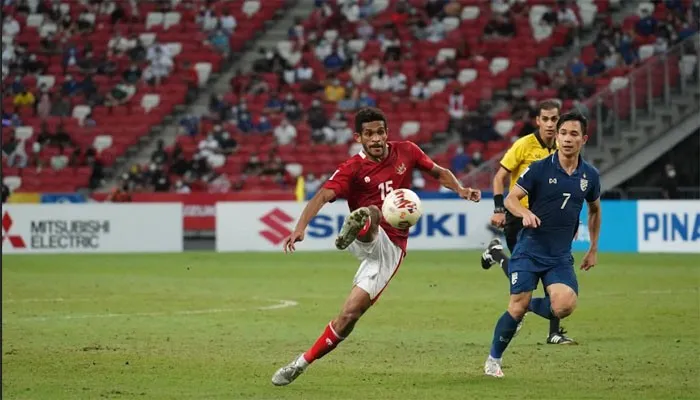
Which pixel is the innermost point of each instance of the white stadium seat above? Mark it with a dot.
(446, 53)
(294, 169)
(251, 7)
(436, 86)
(618, 82)
(470, 13)
(102, 142)
(467, 75)
(646, 51)
(24, 132)
(171, 19)
(81, 111)
(409, 128)
(451, 23)
(203, 72)
(150, 101)
(154, 18)
(174, 48)
(357, 45)
(504, 126)
(12, 182)
(331, 35)
(35, 20)
(688, 65)
(48, 80)
(498, 65)
(147, 38)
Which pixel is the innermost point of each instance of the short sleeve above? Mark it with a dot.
(339, 182)
(422, 161)
(594, 192)
(528, 179)
(513, 156)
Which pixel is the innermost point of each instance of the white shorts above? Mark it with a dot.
(380, 260)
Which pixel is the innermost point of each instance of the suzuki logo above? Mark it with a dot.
(276, 220)
(15, 240)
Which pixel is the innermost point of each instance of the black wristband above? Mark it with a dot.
(498, 201)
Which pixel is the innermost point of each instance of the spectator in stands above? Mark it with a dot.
(476, 160)
(334, 61)
(86, 22)
(24, 99)
(120, 94)
(351, 11)
(305, 77)
(459, 161)
(380, 82)
(360, 72)
(364, 30)
(670, 182)
(365, 100)
(501, 25)
(390, 44)
(312, 184)
(61, 107)
(296, 32)
(181, 187)
(398, 83)
(70, 86)
(15, 152)
(206, 19)
(419, 92)
(10, 26)
(316, 117)
(209, 150)
(257, 85)
(220, 40)
(529, 126)
(228, 22)
(577, 67)
(340, 133)
(160, 67)
(566, 15)
(349, 102)
(264, 125)
(139, 52)
(159, 179)
(119, 45)
(435, 32)
(597, 67)
(253, 166)
(120, 194)
(70, 55)
(285, 133)
(43, 108)
(292, 108)
(33, 66)
(334, 91)
(159, 156)
(245, 122)
(132, 75)
(646, 26)
(274, 104)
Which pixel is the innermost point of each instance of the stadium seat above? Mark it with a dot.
(171, 19)
(467, 75)
(688, 65)
(35, 20)
(102, 142)
(12, 182)
(24, 132)
(446, 54)
(450, 23)
(470, 13)
(80, 112)
(645, 7)
(150, 101)
(251, 7)
(294, 169)
(646, 51)
(203, 70)
(48, 80)
(409, 128)
(154, 18)
(498, 65)
(436, 86)
(618, 82)
(504, 126)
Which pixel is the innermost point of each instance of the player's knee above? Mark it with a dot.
(563, 306)
(517, 307)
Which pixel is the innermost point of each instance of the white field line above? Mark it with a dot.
(39, 300)
(280, 304)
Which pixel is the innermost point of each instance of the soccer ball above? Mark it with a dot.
(402, 208)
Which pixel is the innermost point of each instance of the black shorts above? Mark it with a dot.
(511, 229)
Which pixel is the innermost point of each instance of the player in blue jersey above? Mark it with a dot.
(556, 186)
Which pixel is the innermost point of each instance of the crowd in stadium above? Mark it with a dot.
(83, 81)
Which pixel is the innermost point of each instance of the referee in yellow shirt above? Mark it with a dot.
(517, 159)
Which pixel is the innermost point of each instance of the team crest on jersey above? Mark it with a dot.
(584, 184)
(401, 169)
(366, 179)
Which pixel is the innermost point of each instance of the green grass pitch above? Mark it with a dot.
(214, 326)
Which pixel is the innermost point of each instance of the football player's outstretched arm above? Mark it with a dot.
(594, 220)
(516, 208)
(499, 182)
(450, 181)
(312, 208)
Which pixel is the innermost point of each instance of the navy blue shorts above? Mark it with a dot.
(525, 273)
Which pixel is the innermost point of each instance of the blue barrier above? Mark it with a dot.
(63, 198)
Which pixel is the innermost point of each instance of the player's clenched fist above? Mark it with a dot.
(530, 220)
(289, 242)
(470, 194)
(498, 219)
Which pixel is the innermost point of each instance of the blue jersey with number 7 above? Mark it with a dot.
(556, 198)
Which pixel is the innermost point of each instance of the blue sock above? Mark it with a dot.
(541, 306)
(505, 329)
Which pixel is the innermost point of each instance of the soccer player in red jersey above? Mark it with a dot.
(365, 180)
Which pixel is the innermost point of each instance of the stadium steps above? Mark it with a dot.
(218, 83)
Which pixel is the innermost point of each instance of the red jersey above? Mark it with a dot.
(364, 182)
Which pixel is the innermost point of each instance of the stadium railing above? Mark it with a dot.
(622, 104)
(628, 101)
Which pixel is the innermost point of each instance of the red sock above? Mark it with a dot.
(365, 228)
(324, 344)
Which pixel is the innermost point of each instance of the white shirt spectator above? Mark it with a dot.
(359, 72)
(420, 91)
(398, 82)
(209, 149)
(182, 188)
(323, 50)
(160, 67)
(660, 46)
(10, 27)
(228, 22)
(435, 31)
(386, 43)
(305, 73)
(418, 180)
(456, 106)
(567, 16)
(207, 19)
(380, 82)
(121, 44)
(107, 7)
(290, 76)
(153, 51)
(351, 11)
(285, 133)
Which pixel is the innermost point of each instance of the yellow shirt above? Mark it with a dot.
(521, 154)
(335, 93)
(24, 99)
